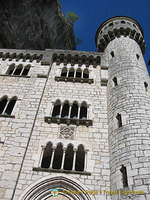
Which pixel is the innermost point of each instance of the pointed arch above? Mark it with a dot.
(58, 156)
(41, 188)
(86, 73)
(83, 111)
(64, 72)
(46, 160)
(78, 73)
(74, 110)
(11, 69)
(80, 157)
(71, 72)
(26, 70)
(68, 164)
(18, 70)
(56, 109)
(65, 110)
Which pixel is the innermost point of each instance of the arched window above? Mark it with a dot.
(86, 73)
(69, 158)
(25, 70)
(78, 73)
(74, 110)
(56, 109)
(65, 110)
(10, 69)
(64, 72)
(71, 72)
(18, 70)
(47, 156)
(58, 156)
(80, 157)
(10, 106)
(83, 111)
(3, 103)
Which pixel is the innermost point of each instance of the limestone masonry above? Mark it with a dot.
(77, 122)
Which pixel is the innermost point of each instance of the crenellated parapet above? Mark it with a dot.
(117, 27)
(21, 54)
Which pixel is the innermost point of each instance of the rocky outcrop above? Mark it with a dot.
(34, 24)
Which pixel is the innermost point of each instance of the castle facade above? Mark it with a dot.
(76, 125)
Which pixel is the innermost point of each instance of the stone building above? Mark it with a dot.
(78, 122)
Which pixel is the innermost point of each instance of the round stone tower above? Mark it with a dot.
(122, 41)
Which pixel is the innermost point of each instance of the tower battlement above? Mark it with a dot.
(117, 26)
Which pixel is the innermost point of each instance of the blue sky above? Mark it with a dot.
(92, 13)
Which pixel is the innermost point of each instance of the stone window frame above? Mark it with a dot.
(15, 67)
(74, 121)
(11, 115)
(64, 148)
(75, 69)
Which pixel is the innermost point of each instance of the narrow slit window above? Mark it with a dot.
(119, 119)
(80, 157)
(68, 163)
(74, 111)
(115, 81)
(137, 55)
(124, 176)
(58, 157)
(146, 86)
(112, 54)
(47, 156)
(65, 110)
(3, 103)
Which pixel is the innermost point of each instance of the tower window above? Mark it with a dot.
(119, 120)
(115, 81)
(111, 24)
(146, 86)
(123, 22)
(137, 55)
(112, 54)
(124, 176)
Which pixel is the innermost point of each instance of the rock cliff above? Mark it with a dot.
(34, 24)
